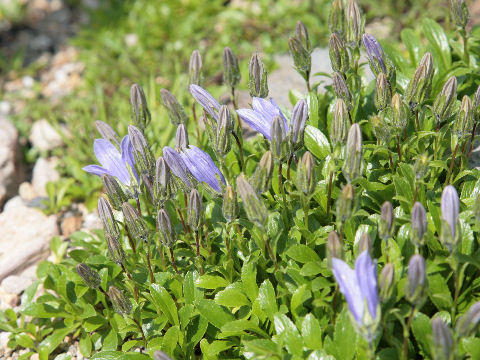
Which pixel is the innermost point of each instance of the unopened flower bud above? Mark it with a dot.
(115, 193)
(338, 128)
(460, 14)
(399, 113)
(442, 340)
(381, 127)
(420, 85)
(297, 124)
(90, 277)
(336, 19)
(164, 187)
(364, 243)
(175, 111)
(278, 139)
(416, 286)
(260, 179)
(463, 124)
(382, 92)
(137, 227)
(467, 324)
(387, 278)
(341, 90)
(353, 163)
(418, 222)
(445, 100)
(301, 57)
(450, 234)
(345, 203)
(230, 204)
(107, 132)
(106, 216)
(257, 78)
(121, 303)
(306, 174)
(231, 72)
(195, 210)
(115, 249)
(181, 138)
(143, 155)
(334, 247)
(195, 68)
(375, 54)
(253, 205)
(355, 23)
(160, 355)
(140, 113)
(420, 168)
(147, 188)
(339, 57)
(164, 225)
(302, 34)
(386, 224)
(223, 141)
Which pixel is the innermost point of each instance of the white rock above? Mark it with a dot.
(5, 108)
(28, 82)
(26, 234)
(26, 191)
(44, 136)
(43, 172)
(16, 284)
(92, 222)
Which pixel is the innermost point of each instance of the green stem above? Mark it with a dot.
(472, 139)
(398, 149)
(282, 190)
(305, 211)
(150, 272)
(406, 333)
(329, 196)
(457, 292)
(172, 259)
(288, 166)
(141, 332)
(240, 150)
(270, 251)
(129, 276)
(451, 164)
(465, 48)
(196, 123)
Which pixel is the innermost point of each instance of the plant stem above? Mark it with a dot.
(130, 240)
(451, 164)
(197, 242)
(288, 166)
(465, 48)
(150, 272)
(305, 210)
(240, 150)
(135, 290)
(282, 190)
(270, 252)
(141, 332)
(172, 259)
(138, 206)
(181, 219)
(417, 122)
(329, 196)
(196, 122)
(415, 194)
(457, 292)
(398, 149)
(391, 161)
(307, 80)
(406, 333)
(472, 139)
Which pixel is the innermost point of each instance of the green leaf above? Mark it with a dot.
(164, 303)
(215, 314)
(52, 341)
(196, 329)
(263, 348)
(232, 296)
(249, 280)
(190, 292)
(300, 295)
(110, 341)
(24, 340)
(85, 344)
(107, 355)
(438, 40)
(302, 253)
(439, 292)
(311, 332)
(313, 117)
(316, 142)
(170, 339)
(285, 328)
(267, 300)
(344, 343)
(238, 326)
(211, 282)
(422, 330)
(472, 346)
(413, 45)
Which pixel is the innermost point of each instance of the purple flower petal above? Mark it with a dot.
(206, 100)
(127, 154)
(374, 51)
(256, 121)
(202, 167)
(176, 164)
(450, 208)
(95, 169)
(366, 273)
(110, 158)
(347, 280)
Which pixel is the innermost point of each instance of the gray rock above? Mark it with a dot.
(43, 172)
(11, 168)
(44, 136)
(26, 234)
(16, 284)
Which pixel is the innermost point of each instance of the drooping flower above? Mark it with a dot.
(206, 100)
(375, 53)
(260, 117)
(176, 165)
(113, 163)
(359, 287)
(202, 167)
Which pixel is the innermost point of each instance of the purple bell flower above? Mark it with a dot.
(359, 286)
(261, 117)
(113, 163)
(375, 53)
(202, 167)
(450, 209)
(177, 166)
(206, 100)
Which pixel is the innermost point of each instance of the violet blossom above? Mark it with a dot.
(202, 167)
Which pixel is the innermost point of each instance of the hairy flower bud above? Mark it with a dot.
(306, 174)
(442, 340)
(195, 210)
(164, 225)
(297, 124)
(223, 140)
(445, 100)
(302, 34)
(420, 85)
(416, 286)
(107, 132)
(115, 249)
(386, 223)
(164, 187)
(195, 68)
(90, 277)
(106, 216)
(364, 243)
(121, 303)
(175, 111)
(338, 128)
(450, 234)
(160, 355)
(336, 18)
(231, 72)
(115, 193)
(467, 324)
(387, 278)
(355, 23)
(301, 57)
(253, 205)
(143, 155)
(463, 124)
(382, 92)
(399, 113)
(140, 114)
(353, 163)
(334, 247)
(137, 227)
(345, 203)
(379, 62)
(341, 90)
(460, 14)
(339, 57)
(420, 168)
(418, 223)
(257, 78)
(181, 138)
(476, 105)
(278, 139)
(230, 204)
(260, 179)
(382, 128)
